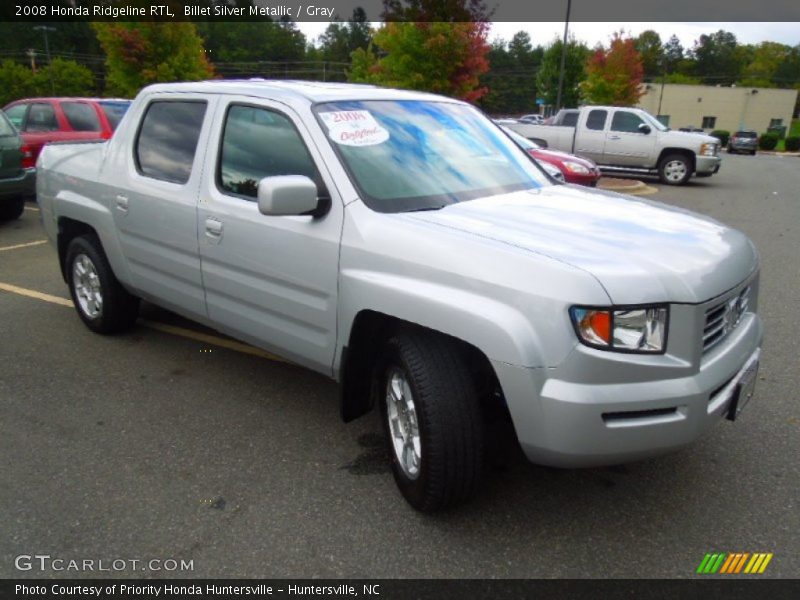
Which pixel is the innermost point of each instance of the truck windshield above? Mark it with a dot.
(418, 155)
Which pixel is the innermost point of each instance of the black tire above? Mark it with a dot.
(447, 411)
(753, 153)
(119, 308)
(11, 208)
(670, 174)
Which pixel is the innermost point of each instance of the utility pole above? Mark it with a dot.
(32, 55)
(563, 58)
(663, 81)
(46, 29)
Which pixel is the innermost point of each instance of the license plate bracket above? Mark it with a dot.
(744, 391)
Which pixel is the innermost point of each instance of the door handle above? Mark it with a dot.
(122, 203)
(614, 137)
(213, 228)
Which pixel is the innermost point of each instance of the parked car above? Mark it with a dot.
(573, 169)
(532, 119)
(743, 141)
(43, 120)
(628, 141)
(17, 176)
(401, 244)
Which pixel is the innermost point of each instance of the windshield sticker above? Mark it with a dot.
(354, 128)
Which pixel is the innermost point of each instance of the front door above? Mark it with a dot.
(626, 144)
(271, 281)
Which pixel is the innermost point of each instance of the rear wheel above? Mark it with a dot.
(675, 169)
(432, 420)
(102, 303)
(11, 208)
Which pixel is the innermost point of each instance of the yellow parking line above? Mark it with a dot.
(6, 287)
(163, 327)
(17, 246)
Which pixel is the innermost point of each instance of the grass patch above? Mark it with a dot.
(794, 131)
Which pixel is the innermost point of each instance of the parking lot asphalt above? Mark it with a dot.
(159, 445)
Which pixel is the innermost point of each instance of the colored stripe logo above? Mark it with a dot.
(734, 563)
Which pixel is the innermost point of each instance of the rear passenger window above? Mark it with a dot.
(596, 120)
(260, 143)
(167, 140)
(41, 117)
(81, 116)
(16, 114)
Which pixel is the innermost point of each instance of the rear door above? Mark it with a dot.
(590, 136)
(153, 182)
(269, 280)
(83, 122)
(626, 145)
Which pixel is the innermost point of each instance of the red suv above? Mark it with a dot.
(43, 120)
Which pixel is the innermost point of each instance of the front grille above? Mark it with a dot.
(723, 318)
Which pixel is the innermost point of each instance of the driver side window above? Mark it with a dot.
(258, 143)
(626, 122)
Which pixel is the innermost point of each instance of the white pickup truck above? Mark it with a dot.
(628, 141)
(402, 244)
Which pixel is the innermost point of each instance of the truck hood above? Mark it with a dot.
(686, 139)
(640, 251)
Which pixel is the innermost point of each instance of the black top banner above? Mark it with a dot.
(376, 10)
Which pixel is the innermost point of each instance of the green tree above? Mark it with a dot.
(444, 58)
(574, 72)
(140, 53)
(648, 44)
(64, 78)
(673, 54)
(767, 57)
(511, 79)
(340, 40)
(16, 82)
(614, 76)
(718, 59)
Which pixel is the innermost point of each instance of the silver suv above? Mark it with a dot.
(401, 244)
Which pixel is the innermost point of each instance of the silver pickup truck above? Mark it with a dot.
(401, 244)
(628, 141)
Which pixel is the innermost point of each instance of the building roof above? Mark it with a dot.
(290, 90)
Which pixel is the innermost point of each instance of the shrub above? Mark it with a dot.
(722, 135)
(792, 144)
(768, 140)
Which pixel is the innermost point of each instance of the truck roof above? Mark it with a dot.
(294, 90)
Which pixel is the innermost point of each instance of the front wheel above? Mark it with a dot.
(102, 303)
(432, 420)
(12, 208)
(675, 169)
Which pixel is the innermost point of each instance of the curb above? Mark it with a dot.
(632, 187)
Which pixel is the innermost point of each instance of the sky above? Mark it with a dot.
(594, 33)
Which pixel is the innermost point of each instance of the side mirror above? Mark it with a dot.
(285, 195)
(644, 128)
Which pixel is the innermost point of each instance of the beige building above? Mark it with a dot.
(709, 107)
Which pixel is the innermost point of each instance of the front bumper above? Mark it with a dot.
(587, 412)
(708, 164)
(24, 185)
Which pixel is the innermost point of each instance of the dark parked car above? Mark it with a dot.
(43, 120)
(743, 141)
(17, 175)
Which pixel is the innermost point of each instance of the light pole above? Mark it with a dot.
(563, 58)
(45, 29)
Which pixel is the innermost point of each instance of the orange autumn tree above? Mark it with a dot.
(614, 75)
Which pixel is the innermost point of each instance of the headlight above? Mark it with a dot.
(574, 167)
(708, 149)
(633, 329)
(554, 172)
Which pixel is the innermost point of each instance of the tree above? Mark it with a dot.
(444, 58)
(140, 53)
(574, 72)
(767, 57)
(648, 44)
(340, 40)
(61, 78)
(673, 54)
(614, 76)
(511, 79)
(717, 59)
